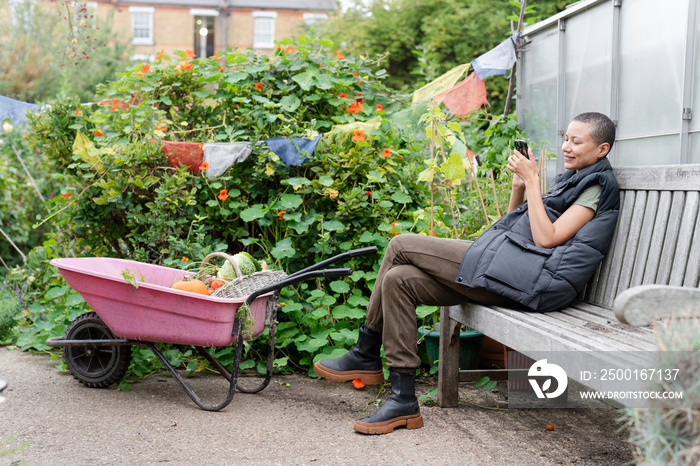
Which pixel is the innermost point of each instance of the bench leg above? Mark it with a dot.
(448, 365)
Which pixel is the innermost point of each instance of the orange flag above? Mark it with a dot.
(465, 97)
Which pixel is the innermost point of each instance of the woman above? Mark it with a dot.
(538, 257)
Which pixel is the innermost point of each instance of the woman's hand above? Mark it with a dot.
(524, 169)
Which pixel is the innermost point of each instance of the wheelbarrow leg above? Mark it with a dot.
(233, 376)
(270, 354)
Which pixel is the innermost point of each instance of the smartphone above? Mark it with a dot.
(521, 146)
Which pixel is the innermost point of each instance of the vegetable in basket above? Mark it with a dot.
(246, 263)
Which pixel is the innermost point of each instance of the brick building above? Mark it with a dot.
(210, 25)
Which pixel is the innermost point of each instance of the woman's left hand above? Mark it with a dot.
(525, 168)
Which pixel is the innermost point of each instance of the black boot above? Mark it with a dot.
(361, 362)
(400, 409)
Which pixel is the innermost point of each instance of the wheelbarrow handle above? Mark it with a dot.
(296, 278)
(341, 256)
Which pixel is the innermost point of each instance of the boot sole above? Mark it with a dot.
(414, 421)
(368, 377)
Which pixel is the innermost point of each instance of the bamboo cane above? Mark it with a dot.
(13, 244)
(3, 263)
(481, 198)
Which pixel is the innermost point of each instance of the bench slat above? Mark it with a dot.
(611, 328)
(580, 325)
(659, 177)
(633, 238)
(692, 273)
(607, 295)
(670, 239)
(685, 239)
(640, 261)
(657, 238)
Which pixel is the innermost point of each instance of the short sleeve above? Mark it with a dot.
(590, 197)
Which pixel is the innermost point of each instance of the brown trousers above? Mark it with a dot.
(416, 270)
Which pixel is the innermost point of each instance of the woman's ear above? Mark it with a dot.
(603, 150)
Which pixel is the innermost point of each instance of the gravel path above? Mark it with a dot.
(58, 421)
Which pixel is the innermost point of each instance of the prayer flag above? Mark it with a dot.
(497, 60)
(465, 97)
(15, 110)
(293, 151)
(222, 155)
(441, 84)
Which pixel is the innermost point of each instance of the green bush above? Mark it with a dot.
(119, 196)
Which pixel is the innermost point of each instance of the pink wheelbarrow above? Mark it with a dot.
(138, 307)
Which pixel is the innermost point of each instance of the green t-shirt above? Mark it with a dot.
(590, 197)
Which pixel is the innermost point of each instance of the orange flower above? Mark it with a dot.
(161, 55)
(393, 224)
(185, 259)
(223, 195)
(386, 152)
(78, 112)
(98, 133)
(218, 53)
(280, 214)
(354, 74)
(258, 86)
(338, 55)
(380, 108)
(369, 193)
(160, 126)
(343, 95)
(290, 49)
(203, 167)
(279, 47)
(185, 67)
(220, 70)
(115, 105)
(355, 107)
(190, 54)
(358, 135)
(399, 157)
(65, 195)
(357, 383)
(145, 68)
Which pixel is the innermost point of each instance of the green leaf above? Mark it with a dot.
(283, 249)
(343, 311)
(325, 180)
(324, 81)
(296, 182)
(427, 175)
(304, 80)
(56, 291)
(289, 103)
(311, 345)
(424, 311)
(304, 39)
(333, 225)
(482, 381)
(401, 198)
(252, 213)
(290, 201)
(339, 286)
(491, 385)
(453, 169)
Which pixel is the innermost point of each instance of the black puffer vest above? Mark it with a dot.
(505, 260)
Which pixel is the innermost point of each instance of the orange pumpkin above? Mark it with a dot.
(193, 286)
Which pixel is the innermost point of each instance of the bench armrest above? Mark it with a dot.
(642, 305)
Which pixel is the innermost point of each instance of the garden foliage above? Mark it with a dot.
(118, 195)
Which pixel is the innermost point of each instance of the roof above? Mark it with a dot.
(329, 5)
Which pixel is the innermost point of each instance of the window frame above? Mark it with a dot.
(272, 15)
(150, 11)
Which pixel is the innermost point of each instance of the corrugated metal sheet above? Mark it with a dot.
(328, 5)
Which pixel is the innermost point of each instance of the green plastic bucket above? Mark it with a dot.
(470, 342)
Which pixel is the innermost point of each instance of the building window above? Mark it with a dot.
(141, 25)
(264, 29)
(314, 18)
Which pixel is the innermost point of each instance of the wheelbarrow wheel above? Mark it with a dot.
(95, 366)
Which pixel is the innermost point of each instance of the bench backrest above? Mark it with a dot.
(657, 240)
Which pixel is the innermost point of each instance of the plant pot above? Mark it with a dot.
(470, 342)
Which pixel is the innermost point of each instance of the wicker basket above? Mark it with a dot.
(244, 284)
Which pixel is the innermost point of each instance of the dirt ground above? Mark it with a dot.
(49, 418)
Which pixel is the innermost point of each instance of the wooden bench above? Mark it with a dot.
(655, 256)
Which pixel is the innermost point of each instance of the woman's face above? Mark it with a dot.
(579, 148)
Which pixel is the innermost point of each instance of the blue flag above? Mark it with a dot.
(496, 61)
(15, 110)
(293, 151)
